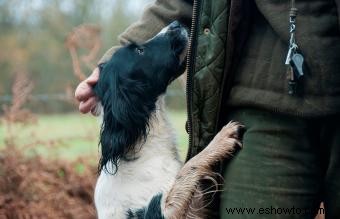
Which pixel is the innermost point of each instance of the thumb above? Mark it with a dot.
(93, 78)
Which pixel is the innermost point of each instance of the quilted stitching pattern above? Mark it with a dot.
(209, 67)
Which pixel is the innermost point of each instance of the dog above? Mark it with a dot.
(141, 175)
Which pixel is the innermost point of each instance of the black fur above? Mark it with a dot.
(128, 88)
(152, 211)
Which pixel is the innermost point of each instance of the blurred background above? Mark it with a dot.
(48, 150)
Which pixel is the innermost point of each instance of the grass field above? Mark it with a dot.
(73, 135)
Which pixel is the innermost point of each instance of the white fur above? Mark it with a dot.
(137, 181)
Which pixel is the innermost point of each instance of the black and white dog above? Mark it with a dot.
(141, 175)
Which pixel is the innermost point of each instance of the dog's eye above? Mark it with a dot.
(140, 51)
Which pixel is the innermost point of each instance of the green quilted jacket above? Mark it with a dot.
(210, 59)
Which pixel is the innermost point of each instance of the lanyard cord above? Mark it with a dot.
(292, 20)
(292, 48)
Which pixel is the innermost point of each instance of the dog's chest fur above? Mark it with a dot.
(137, 181)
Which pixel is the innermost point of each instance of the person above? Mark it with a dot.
(236, 71)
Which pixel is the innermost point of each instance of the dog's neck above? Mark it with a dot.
(160, 133)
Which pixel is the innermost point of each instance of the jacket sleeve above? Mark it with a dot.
(154, 18)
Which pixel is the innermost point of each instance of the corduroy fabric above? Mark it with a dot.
(286, 162)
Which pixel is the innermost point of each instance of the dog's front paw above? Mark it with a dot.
(228, 139)
(233, 130)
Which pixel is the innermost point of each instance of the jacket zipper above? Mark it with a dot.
(190, 66)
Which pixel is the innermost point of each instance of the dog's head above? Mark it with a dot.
(129, 86)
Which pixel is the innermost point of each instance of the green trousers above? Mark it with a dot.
(288, 165)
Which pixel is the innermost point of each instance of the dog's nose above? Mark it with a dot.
(174, 25)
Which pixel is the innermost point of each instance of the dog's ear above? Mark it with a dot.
(127, 107)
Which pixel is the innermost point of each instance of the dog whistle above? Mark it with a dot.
(297, 64)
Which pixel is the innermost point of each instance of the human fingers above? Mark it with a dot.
(93, 78)
(88, 105)
(84, 89)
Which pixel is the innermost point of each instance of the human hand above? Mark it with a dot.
(85, 95)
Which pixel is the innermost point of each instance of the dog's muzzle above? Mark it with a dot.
(175, 26)
(178, 35)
